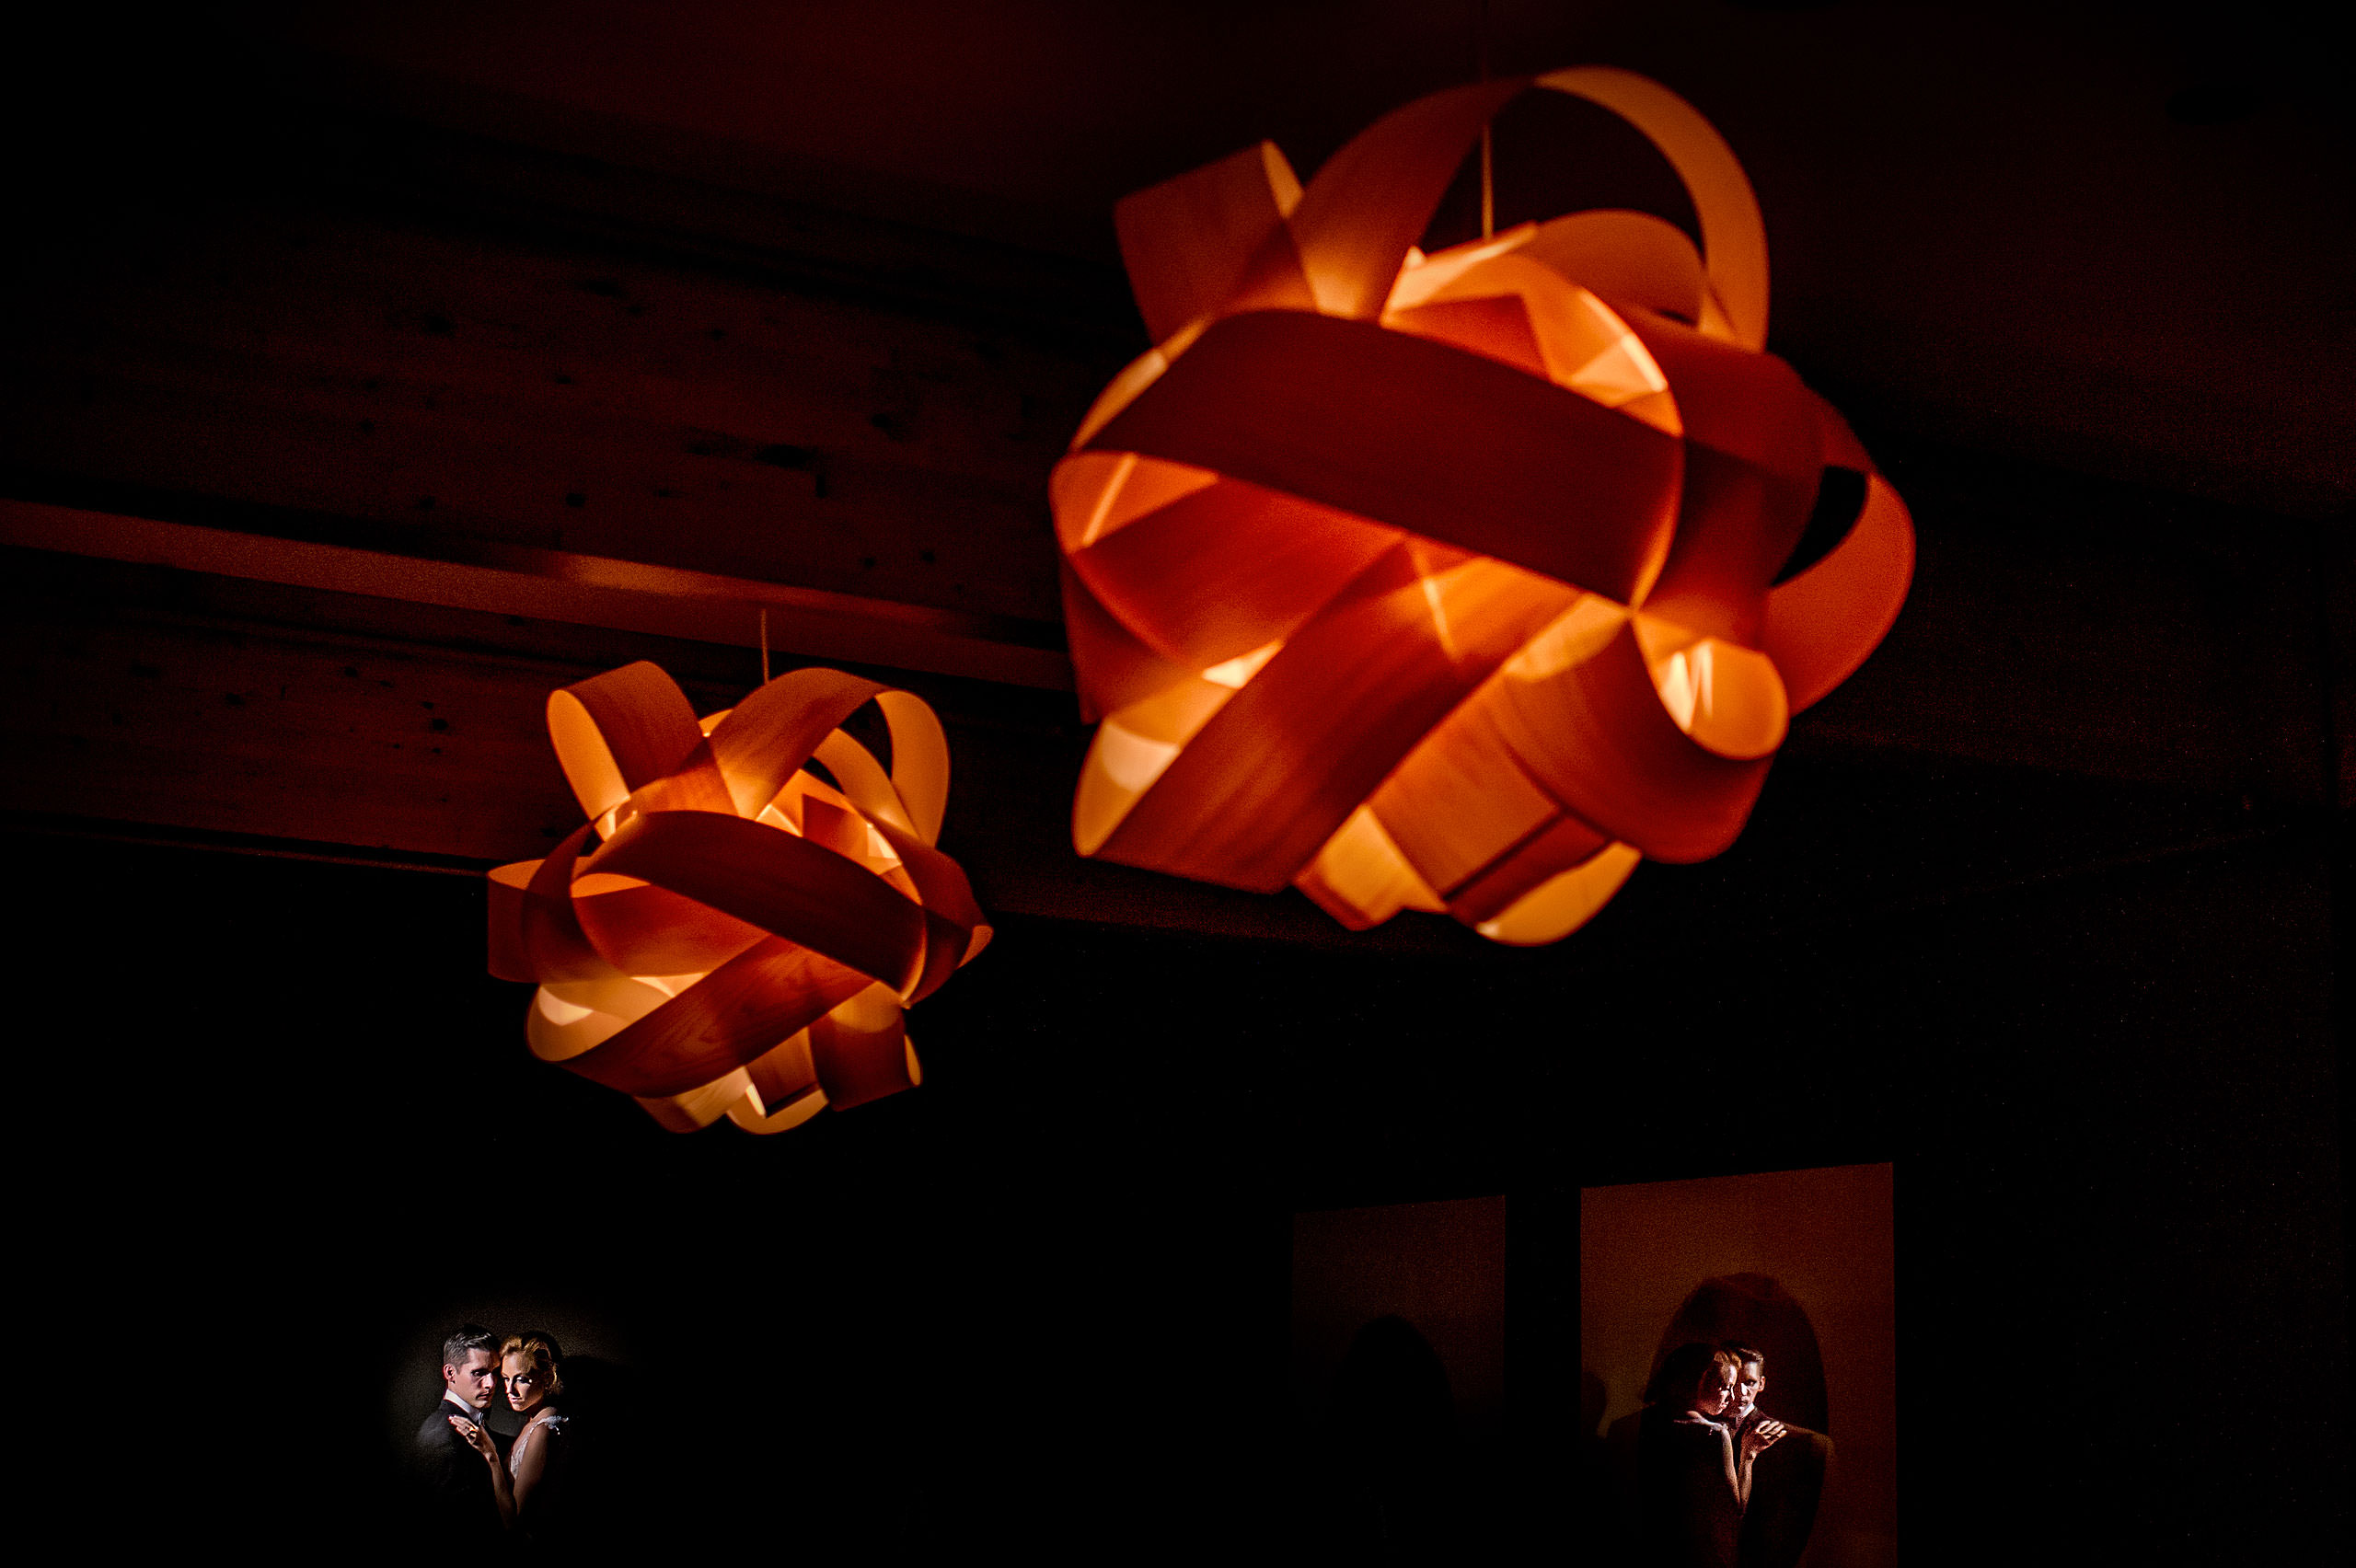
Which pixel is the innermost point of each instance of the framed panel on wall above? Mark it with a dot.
(1738, 1369)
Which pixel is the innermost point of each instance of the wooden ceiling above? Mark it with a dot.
(2112, 237)
(368, 370)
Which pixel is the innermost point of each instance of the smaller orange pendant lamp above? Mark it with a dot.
(1459, 582)
(743, 940)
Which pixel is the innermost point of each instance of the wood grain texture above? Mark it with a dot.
(145, 702)
(393, 375)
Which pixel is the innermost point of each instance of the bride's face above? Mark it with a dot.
(1716, 1395)
(524, 1385)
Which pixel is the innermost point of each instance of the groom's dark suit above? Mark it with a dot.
(460, 1505)
(1787, 1484)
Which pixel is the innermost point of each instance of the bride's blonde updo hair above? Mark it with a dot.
(540, 1350)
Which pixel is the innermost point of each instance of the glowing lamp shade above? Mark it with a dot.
(1459, 582)
(743, 939)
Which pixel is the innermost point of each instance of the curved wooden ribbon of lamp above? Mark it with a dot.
(1458, 582)
(743, 939)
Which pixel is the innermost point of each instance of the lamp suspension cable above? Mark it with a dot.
(764, 648)
(1488, 191)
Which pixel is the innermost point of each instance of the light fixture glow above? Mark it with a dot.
(1459, 582)
(746, 939)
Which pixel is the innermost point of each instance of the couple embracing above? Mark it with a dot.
(1706, 1494)
(477, 1494)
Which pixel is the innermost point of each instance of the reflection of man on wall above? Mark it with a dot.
(1788, 1480)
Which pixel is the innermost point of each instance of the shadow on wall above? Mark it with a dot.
(1394, 1470)
(1390, 1398)
(1753, 1311)
(1398, 1382)
(1438, 1267)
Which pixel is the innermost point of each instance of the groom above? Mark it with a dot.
(1789, 1480)
(460, 1506)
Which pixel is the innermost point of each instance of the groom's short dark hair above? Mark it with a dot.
(468, 1337)
(1744, 1352)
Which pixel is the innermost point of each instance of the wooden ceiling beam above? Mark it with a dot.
(582, 590)
(407, 385)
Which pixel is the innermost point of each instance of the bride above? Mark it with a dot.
(1693, 1470)
(530, 1483)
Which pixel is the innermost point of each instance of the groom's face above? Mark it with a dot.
(1748, 1387)
(475, 1380)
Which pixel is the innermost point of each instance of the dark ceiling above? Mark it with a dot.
(2118, 238)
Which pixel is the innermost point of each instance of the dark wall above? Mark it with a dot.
(276, 1125)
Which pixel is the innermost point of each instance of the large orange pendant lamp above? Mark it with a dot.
(743, 941)
(1452, 582)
